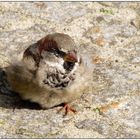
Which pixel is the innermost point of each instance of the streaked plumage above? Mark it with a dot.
(51, 72)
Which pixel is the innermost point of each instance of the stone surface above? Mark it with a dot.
(107, 31)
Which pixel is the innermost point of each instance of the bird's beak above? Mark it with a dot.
(70, 57)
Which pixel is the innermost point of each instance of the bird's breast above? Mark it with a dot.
(57, 79)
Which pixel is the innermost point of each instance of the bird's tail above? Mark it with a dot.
(5, 88)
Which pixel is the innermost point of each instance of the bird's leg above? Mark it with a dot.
(67, 108)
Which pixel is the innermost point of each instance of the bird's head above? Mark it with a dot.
(59, 50)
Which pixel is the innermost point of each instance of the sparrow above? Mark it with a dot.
(51, 72)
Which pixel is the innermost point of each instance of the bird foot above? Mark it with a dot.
(67, 109)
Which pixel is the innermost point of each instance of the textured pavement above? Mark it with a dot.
(107, 32)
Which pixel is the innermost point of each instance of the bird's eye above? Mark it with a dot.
(55, 52)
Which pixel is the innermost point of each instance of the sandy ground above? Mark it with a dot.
(110, 33)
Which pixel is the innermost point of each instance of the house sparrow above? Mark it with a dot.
(50, 73)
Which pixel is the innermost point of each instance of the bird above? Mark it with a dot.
(51, 72)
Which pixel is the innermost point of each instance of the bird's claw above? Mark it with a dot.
(67, 109)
